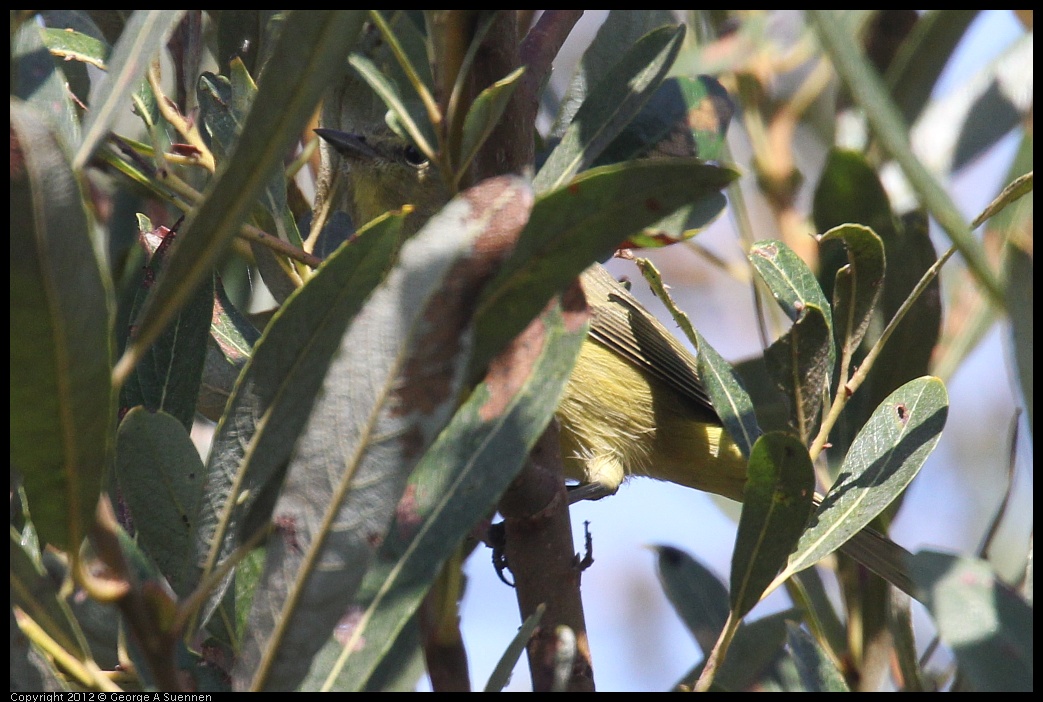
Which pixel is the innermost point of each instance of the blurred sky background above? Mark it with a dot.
(637, 641)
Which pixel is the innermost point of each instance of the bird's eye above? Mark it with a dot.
(413, 156)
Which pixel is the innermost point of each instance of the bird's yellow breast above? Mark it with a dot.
(617, 421)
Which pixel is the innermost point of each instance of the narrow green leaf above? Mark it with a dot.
(988, 626)
(501, 674)
(392, 385)
(617, 35)
(409, 113)
(35, 593)
(882, 461)
(755, 659)
(776, 503)
(228, 348)
(169, 375)
(62, 405)
(799, 363)
(144, 34)
(610, 106)
(790, 280)
(160, 476)
(36, 79)
(817, 672)
(684, 117)
(1015, 190)
(723, 385)
(696, 593)
(459, 480)
(575, 226)
(858, 284)
(75, 46)
(270, 404)
(224, 105)
(484, 115)
(916, 67)
(309, 54)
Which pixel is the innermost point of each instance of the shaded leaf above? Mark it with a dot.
(169, 375)
(459, 480)
(684, 117)
(35, 79)
(799, 364)
(160, 476)
(392, 384)
(484, 115)
(584, 222)
(988, 626)
(617, 35)
(696, 593)
(858, 284)
(610, 106)
(882, 461)
(817, 671)
(776, 503)
(271, 402)
(62, 403)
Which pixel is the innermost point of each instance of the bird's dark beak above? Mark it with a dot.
(348, 145)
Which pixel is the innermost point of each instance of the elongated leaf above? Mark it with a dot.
(459, 480)
(271, 402)
(776, 503)
(389, 391)
(160, 476)
(722, 384)
(224, 105)
(75, 46)
(62, 404)
(858, 284)
(817, 671)
(988, 626)
(790, 280)
(309, 54)
(799, 364)
(409, 113)
(755, 659)
(882, 461)
(696, 593)
(35, 593)
(484, 114)
(501, 674)
(617, 35)
(169, 375)
(36, 79)
(144, 34)
(610, 106)
(914, 72)
(684, 117)
(584, 222)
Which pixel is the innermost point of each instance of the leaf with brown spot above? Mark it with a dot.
(392, 383)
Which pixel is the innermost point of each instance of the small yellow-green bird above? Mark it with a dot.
(634, 404)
